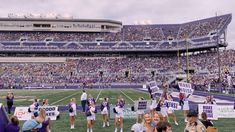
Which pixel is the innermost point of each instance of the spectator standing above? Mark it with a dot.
(10, 101)
(83, 100)
(194, 124)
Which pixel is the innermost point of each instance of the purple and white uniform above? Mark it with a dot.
(164, 109)
(92, 111)
(186, 104)
(74, 106)
(104, 107)
(119, 108)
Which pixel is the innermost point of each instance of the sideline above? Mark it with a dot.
(98, 95)
(127, 96)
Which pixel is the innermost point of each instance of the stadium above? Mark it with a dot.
(58, 58)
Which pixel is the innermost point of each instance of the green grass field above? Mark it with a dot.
(62, 97)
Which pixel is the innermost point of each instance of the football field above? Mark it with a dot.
(62, 98)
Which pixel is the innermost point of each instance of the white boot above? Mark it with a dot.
(185, 120)
(103, 124)
(107, 123)
(121, 130)
(91, 130)
(115, 130)
(176, 123)
(87, 130)
(72, 127)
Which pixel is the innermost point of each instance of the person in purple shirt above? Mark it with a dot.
(10, 100)
(45, 126)
(104, 107)
(13, 126)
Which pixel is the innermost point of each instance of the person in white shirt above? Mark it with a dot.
(83, 100)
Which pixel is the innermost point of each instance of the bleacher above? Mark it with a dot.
(167, 36)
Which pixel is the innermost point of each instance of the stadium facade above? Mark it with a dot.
(63, 53)
(89, 37)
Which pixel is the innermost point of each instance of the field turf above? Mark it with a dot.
(62, 97)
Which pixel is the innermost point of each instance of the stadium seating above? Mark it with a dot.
(164, 35)
(87, 70)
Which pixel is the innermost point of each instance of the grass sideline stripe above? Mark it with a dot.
(127, 96)
(98, 95)
(64, 98)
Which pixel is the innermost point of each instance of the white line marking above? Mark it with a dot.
(98, 95)
(127, 96)
(64, 98)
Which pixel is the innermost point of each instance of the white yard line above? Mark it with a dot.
(98, 95)
(127, 96)
(64, 98)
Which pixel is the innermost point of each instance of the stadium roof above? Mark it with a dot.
(60, 19)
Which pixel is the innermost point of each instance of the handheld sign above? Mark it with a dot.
(210, 110)
(153, 88)
(173, 104)
(185, 87)
(142, 104)
(22, 112)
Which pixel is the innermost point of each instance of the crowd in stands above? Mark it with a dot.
(118, 70)
(155, 32)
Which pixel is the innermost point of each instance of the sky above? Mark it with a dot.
(128, 11)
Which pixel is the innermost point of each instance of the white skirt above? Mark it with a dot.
(73, 113)
(153, 106)
(120, 113)
(185, 107)
(104, 111)
(92, 117)
(170, 110)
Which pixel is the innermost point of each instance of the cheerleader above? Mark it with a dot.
(140, 113)
(209, 100)
(171, 112)
(104, 111)
(119, 113)
(72, 112)
(185, 106)
(163, 109)
(90, 113)
(33, 108)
